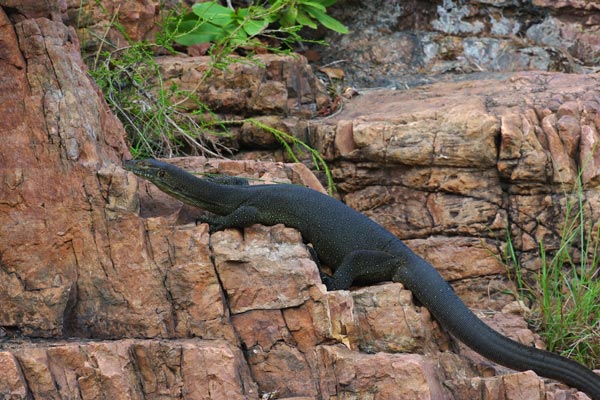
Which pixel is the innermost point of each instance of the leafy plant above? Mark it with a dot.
(305, 12)
(157, 127)
(212, 22)
(567, 288)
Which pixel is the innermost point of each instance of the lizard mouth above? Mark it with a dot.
(139, 168)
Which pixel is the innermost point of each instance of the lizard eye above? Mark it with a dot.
(160, 173)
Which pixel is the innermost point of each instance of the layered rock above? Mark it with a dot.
(126, 369)
(470, 158)
(273, 85)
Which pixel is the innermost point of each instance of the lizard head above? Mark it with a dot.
(179, 183)
(168, 178)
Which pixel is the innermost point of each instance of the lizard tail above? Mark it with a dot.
(436, 294)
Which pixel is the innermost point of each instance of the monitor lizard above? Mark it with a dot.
(358, 251)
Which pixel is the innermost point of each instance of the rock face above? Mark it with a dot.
(109, 289)
(276, 85)
(410, 42)
(534, 132)
(127, 369)
(56, 134)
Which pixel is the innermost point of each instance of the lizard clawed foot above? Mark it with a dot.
(213, 226)
(327, 281)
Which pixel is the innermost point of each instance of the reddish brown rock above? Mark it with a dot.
(245, 264)
(485, 294)
(521, 385)
(112, 24)
(12, 381)
(408, 213)
(388, 376)
(522, 157)
(419, 136)
(459, 258)
(198, 307)
(78, 260)
(57, 133)
(388, 321)
(128, 369)
(544, 133)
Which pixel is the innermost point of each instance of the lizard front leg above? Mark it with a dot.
(241, 217)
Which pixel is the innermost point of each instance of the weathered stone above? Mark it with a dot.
(254, 136)
(408, 44)
(491, 292)
(342, 315)
(522, 157)
(444, 137)
(255, 171)
(284, 86)
(460, 257)
(129, 369)
(520, 385)
(66, 271)
(12, 381)
(247, 263)
(261, 328)
(466, 182)
(281, 346)
(112, 23)
(388, 321)
(283, 369)
(78, 260)
(197, 304)
(309, 324)
(525, 385)
(387, 376)
(409, 213)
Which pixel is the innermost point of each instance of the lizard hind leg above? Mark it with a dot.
(363, 267)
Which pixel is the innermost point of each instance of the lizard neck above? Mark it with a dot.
(216, 198)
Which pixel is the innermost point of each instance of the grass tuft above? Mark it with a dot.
(568, 288)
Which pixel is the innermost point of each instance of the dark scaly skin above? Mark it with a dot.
(359, 251)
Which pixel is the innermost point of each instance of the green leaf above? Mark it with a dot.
(241, 12)
(313, 4)
(325, 3)
(327, 21)
(254, 27)
(191, 39)
(203, 33)
(187, 26)
(235, 35)
(213, 12)
(304, 19)
(288, 17)
(231, 27)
